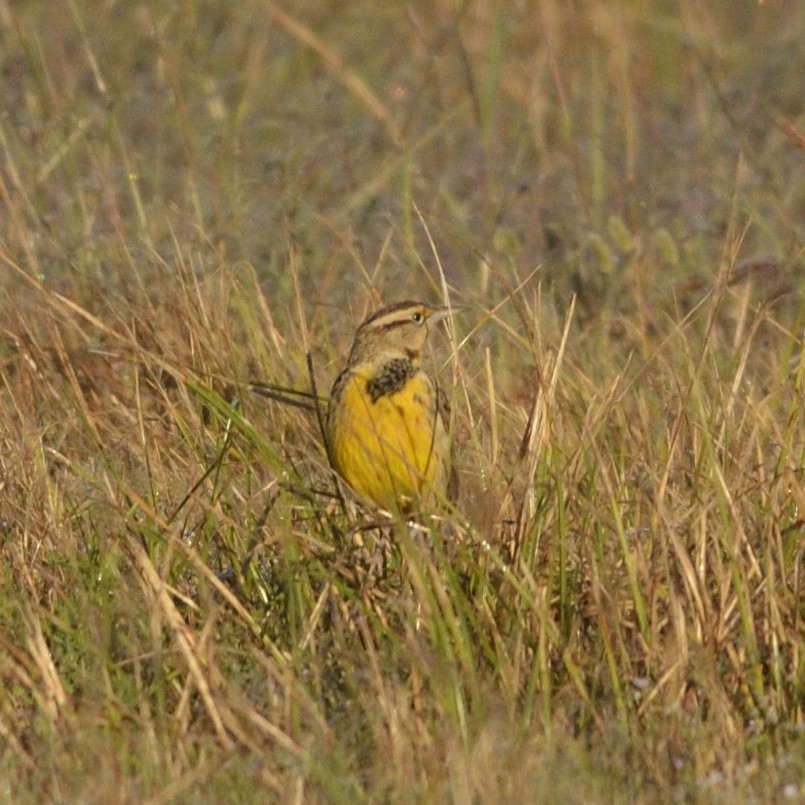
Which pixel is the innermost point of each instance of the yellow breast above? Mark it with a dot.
(393, 448)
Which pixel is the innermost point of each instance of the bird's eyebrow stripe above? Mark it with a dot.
(381, 314)
(391, 325)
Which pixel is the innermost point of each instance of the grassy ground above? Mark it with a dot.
(195, 195)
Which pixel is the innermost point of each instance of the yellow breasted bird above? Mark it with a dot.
(386, 426)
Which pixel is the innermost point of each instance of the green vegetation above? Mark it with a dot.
(197, 195)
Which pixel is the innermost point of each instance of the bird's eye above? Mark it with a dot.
(417, 318)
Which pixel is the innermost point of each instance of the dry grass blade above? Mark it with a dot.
(183, 636)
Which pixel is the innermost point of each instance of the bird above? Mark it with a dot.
(386, 428)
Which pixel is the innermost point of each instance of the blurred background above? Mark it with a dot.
(624, 149)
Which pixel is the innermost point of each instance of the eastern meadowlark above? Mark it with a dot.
(386, 427)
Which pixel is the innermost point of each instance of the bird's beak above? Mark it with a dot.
(440, 313)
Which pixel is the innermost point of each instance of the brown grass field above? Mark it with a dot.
(200, 195)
